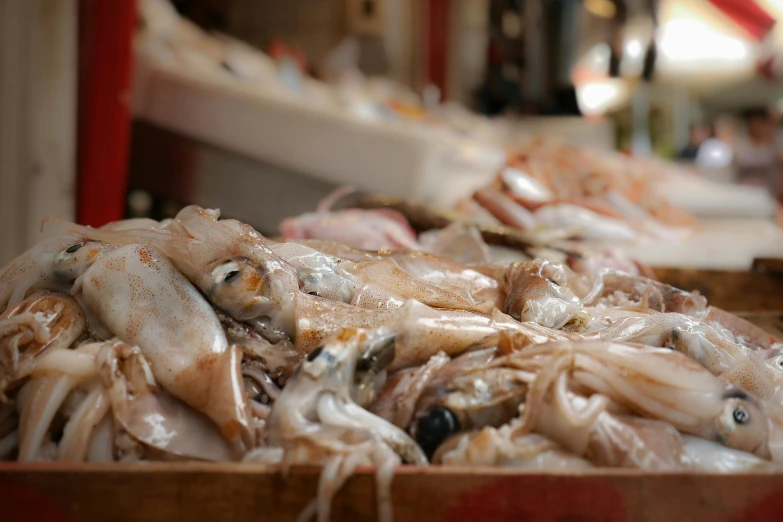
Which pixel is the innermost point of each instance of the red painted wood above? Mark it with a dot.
(436, 27)
(504, 499)
(748, 15)
(106, 29)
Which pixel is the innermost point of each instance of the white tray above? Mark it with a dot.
(317, 141)
(710, 199)
(722, 244)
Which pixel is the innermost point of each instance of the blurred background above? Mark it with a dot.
(120, 108)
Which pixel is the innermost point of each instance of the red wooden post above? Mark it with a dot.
(747, 14)
(106, 29)
(436, 28)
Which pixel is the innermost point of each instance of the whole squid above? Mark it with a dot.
(47, 266)
(315, 419)
(113, 409)
(227, 260)
(710, 346)
(136, 294)
(656, 383)
(45, 321)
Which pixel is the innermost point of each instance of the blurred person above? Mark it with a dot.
(777, 132)
(718, 150)
(759, 157)
(696, 136)
(777, 122)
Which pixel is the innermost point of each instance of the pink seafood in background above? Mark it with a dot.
(584, 261)
(525, 187)
(379, 229)
(505, 209)
(585, 223)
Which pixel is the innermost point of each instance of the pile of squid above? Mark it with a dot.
(598, 196)
(198, 338)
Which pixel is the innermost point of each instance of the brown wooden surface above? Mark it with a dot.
(771, 265)
(771, 322)
(165, 492)
(747, 291)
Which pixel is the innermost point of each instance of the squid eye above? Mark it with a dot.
(741, 415)
(436, 427)
(552, 281)
(377, 359)
(254, 391)
(780, 362)
(231, 276)
(314, 354)
(74, 248)
(313, 293)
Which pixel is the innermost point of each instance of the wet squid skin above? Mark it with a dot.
(378, 283)
(541, 292)
(422, 331)
(315, 419)
(242, 275)
(251, 360)
(656, 383)
(502, 447)
(134, 293)
(112, 408)
(744, 331)
(227, 260)
(477, 392)
(372, 229)
(553, 295)
(50, 265)
(656, 295)
(613, 381)
(423, 266)
(45, 321)
(466, 402)
(711, 346)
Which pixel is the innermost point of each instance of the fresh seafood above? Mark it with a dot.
(524, 187)
(197, 338)
(422, 331)
(49, 265)
(717, 458)
(543, 292)
(505, 209)
(652, 382)
(134, 293)
(584, 261)
(64, 381)
(227, 260)
(504, 447)
(584, 222)
(460, 242)
(423, 266)
(112, 409)
(316, 420)
(152, 416)
(545, 171)
(466, 402)
(714, 348)
(621, 289)
(365, 229)
(46, 321)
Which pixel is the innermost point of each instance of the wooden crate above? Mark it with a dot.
(238, 492)
(757, 290)
(164, 492)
